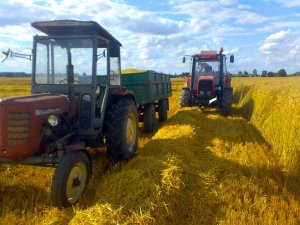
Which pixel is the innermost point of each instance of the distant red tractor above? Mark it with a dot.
(208, 84)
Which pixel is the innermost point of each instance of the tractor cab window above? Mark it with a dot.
(101, 62)
(54, 55)
(115, 73)
(101, 67)
(207, 68)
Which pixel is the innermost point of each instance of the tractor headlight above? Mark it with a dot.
(53, 120)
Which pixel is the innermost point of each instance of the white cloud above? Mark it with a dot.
(232, 51)
(279, 25)
(288, 3)
(111, 13)
(281, 50)
(279, 36)
(216, 12)
(158, 39)
(18, 33)
(154, 47)
(131, 26)
(275, 42)
(295, 49)
(242, 6)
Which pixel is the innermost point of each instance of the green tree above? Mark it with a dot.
(270, 74)
(246, 74)
(240, 73)
(264, 73)
(282, 73)
(254, 72)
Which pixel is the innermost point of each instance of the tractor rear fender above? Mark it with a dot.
(115, 93)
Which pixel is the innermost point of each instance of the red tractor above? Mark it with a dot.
(208, 84)
(79, 103)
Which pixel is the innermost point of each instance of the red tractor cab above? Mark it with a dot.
(208, 84)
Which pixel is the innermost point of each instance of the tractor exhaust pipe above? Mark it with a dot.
(70, 77)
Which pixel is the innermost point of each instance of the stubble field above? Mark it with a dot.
(199, 168)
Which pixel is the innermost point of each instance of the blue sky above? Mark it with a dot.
(263, 35)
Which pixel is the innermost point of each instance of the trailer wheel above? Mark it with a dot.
(226, 102)
(150, 123)
(70, 179)
(163, 109)
(185, 97)
(121, 129)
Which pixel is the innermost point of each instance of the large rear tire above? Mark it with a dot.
(185, 98)
(150, 122)
(226, 105)
(70, 179)
(163, 110)
(121, 129)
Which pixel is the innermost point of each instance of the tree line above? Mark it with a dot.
(264, 73)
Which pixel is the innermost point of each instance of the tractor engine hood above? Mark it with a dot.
(21, 120)
(38, 104)
(203, 77)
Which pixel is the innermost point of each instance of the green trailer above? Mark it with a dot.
(148, 86)
(151, 91)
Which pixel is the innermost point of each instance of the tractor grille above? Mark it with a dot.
(206, 85)
(18, 128)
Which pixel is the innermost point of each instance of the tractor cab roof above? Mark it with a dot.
(74, 27)
(207, 55)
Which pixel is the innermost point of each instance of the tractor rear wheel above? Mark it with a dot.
(150, 123)
(163, 109)
(226, 102)
(70, 179)
(185, 97)
(121, 129)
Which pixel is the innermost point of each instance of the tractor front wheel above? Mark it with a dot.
(121, 129)
(185, 97)
(70, 179)
(150, 122)
(226, 102)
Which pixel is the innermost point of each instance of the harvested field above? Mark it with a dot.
(199, 168)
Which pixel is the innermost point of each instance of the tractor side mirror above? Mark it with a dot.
(6, 53)
(232, 58)
(183, 59)
(10, 53)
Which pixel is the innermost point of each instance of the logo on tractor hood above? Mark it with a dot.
(40, 112)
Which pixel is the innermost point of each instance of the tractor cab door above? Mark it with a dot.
(66, 65)
(108, 73)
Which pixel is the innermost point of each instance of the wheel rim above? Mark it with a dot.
(76, 182)
(131, 131)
